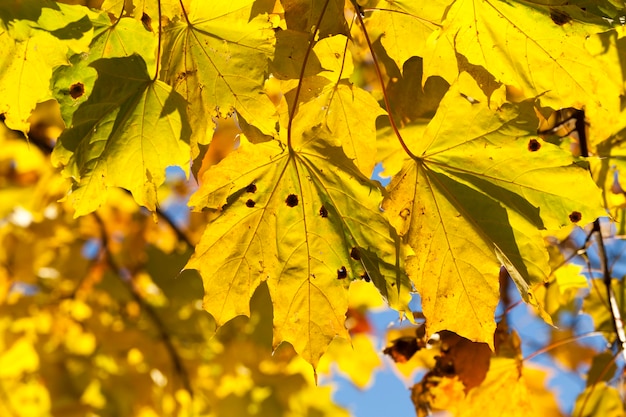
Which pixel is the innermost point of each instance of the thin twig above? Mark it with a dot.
(618, 323)
(309, 48)
(381, 80)
(47, 149)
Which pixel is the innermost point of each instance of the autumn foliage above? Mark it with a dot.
(193, 221)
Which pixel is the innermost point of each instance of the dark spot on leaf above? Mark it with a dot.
(292, 200)
(147, 22)
(365, 276)
(393, 284)
(534, 145)
(405, 213)
(251, 188)
(323, 212)
(3, 117)
(575, 216)
(559, 17)
(354, 254)
(77, 90)
(250, 203)
(342, 273)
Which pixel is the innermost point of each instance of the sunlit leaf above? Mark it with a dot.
(73, 84)
(552, 59)
(325, 229)
(27, 59)
(217, 59)
(475, 196)
(127, 142)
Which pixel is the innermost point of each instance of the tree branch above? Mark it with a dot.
(147, 308)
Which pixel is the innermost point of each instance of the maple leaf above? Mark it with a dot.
(123, 137)
(475, 195)
(554, 61)
(307, 222)
(73, 84)
(348, 112)
(27, 59)
(217, 59)
(398, 21)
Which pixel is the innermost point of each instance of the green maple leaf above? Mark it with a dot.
(474, 196)
(306, 221)
(217, 60)
(73, 84)
(123, 137)
(30, 52)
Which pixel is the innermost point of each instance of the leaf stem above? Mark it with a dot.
(292, 113)
(382, 86)
(182, 7)
(158, 57)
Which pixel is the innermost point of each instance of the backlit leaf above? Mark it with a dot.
(474, 197)
(303, 222)
(27, 59)
(73, 84)
(217, 59)
(398, 21)
(124, 137)
(552, 60)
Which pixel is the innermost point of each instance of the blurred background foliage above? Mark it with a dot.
(97, 318)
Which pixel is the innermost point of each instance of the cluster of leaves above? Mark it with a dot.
(448, 96)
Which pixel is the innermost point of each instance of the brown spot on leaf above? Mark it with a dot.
(77, 90)
(323, 212)
(251, 188)
(575, 216)
(559, 17)
(354, 254)
(292, 200)
(250, 203)
(342, 273)
(147, 22)
(405, 213)
(365, 276)
(534, 145)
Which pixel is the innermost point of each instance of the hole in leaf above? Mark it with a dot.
(323, 212)
(559, 17)
(575, 216)
(365, 276)
(354, 254)
(251, 188)
(342, 273)
(250, 203)
(147, 22)
(292, 200)
(77, 90)
(534, 145)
